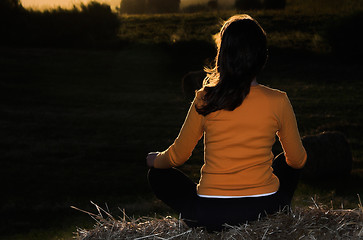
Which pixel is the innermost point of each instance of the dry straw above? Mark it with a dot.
(315, 222)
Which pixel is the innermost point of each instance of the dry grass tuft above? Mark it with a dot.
(315, 222)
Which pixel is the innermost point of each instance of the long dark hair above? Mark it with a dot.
(241, 55)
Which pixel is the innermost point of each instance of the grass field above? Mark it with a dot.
(76, 125)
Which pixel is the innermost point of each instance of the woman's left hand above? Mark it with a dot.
(151, 158)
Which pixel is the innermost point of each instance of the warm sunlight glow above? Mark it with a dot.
(45, 4)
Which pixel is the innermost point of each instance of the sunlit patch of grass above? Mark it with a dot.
(300, 26)
(298, 40)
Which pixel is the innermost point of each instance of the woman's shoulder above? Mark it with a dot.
(271, 92)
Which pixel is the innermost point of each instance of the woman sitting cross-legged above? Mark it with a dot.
(240, 180)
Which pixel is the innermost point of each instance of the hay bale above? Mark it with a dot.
(329, 156)
(315, 222)
(191, 82)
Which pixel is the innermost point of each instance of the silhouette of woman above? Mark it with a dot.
(240, 180)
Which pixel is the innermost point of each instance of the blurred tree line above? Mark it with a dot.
(91, 25)
(149, 6)
(259, 4)
(171, 6)
(12, 18)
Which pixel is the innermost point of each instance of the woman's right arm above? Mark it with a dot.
(289, 136)
(181, 149)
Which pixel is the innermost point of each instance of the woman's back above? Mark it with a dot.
(238, 145)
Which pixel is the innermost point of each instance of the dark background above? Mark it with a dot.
(86, 93)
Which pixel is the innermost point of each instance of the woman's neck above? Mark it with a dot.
(254, 82)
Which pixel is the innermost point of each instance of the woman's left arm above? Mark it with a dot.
(182, 148)
(290, 137)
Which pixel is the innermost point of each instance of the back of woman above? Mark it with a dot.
(238, 145)
(239, 119)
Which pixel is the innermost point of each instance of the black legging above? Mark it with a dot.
(176, 190)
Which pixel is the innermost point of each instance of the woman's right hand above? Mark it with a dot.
(150, 158)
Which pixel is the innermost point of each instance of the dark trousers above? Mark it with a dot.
(176, 190)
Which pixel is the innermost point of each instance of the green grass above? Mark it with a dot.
(76, 125)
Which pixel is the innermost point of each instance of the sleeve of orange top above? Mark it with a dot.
(181, 149)
(289, 136)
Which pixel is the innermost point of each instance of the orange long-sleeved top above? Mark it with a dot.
(238, 144)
